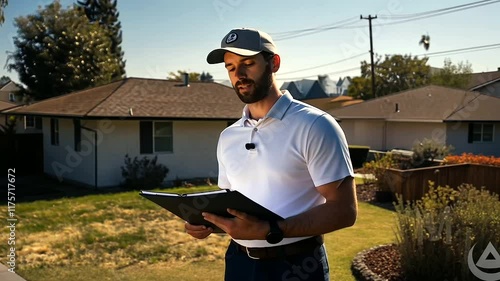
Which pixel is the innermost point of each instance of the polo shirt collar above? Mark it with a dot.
(277, 111)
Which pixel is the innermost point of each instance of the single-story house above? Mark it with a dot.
(86, 134)
(469, 121)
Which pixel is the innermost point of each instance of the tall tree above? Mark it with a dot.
(451, 75)
(396, 73)
(3, 4)
(58, 51)
(106, 14)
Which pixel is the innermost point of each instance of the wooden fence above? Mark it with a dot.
(412, 184)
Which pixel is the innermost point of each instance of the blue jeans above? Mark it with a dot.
(311, 266)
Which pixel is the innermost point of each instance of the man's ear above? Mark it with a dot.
(276, 62)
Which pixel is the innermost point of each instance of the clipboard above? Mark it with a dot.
(189, 206)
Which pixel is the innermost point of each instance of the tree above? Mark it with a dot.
(4, 80)
(179, 76)
(455, 76)
(106, 14)
(396, 73)
(3, 4)
(58, 51)
(206, 77)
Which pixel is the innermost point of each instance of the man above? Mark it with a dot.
(287, 156)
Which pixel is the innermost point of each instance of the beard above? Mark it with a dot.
(260, 88)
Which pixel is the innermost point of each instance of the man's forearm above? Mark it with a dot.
(330, 216)
(322, 219)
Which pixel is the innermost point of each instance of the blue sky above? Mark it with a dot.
(165, 36)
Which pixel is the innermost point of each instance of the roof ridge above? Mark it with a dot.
(477, 95)
(107, 97)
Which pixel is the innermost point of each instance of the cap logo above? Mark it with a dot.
(231, 38)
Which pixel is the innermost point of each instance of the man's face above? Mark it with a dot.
(251, 77)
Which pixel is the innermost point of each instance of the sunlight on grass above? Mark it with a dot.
(123, 236)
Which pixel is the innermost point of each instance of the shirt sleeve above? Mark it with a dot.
(327, 152)
(222, 180)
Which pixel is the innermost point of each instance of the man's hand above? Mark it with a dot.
(198, 231)
(242, 226)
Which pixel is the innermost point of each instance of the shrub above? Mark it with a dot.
(425, 152)
(471, 158)
(377, 167)
(436, 233)
(358, 155)
(143, 173)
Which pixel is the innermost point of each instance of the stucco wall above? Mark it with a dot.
(194, 150)
(404, 135)
(361, 132)
(61, 161)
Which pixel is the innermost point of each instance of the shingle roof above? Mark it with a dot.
(481, 78)
(426, 104)
(146, 98)
(5, 105)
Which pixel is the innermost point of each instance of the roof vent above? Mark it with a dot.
(186, 79)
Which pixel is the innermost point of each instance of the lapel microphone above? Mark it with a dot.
(250, 146)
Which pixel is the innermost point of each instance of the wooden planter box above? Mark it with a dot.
(412, 184)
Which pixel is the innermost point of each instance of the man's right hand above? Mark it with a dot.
(198, 231)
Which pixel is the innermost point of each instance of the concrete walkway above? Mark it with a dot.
(6, 275)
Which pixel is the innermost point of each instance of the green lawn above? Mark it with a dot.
(123, 236)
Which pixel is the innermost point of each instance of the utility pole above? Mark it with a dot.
(370, 18)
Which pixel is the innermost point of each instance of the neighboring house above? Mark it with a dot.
(9, 98)
(86, 134)
(343, 85)
(306, 89)
(469, 121)
(8, 93)
(486, 83)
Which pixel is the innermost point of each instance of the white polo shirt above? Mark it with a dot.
(297, 148)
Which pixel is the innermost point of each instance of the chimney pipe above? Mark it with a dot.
(186, 79)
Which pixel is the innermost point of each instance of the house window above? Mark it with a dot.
(481, 132)
(156, 137)
(12, 97)
(163, 138)
(29, 121)
(54, 131)
(77, 134)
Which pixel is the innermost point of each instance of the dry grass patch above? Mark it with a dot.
(111, 231)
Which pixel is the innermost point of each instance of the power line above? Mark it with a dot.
(433, 54)
(432, 11)
(315, 75)
(461, 50)
(345, 24)
(323, 65)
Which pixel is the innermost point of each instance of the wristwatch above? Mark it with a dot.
(275, 234)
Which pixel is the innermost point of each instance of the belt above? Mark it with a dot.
(299, 247)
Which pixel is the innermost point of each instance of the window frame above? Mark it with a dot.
(170, 135)
(54, 131)
(482, 132)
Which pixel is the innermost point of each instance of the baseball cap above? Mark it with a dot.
(243, 42)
